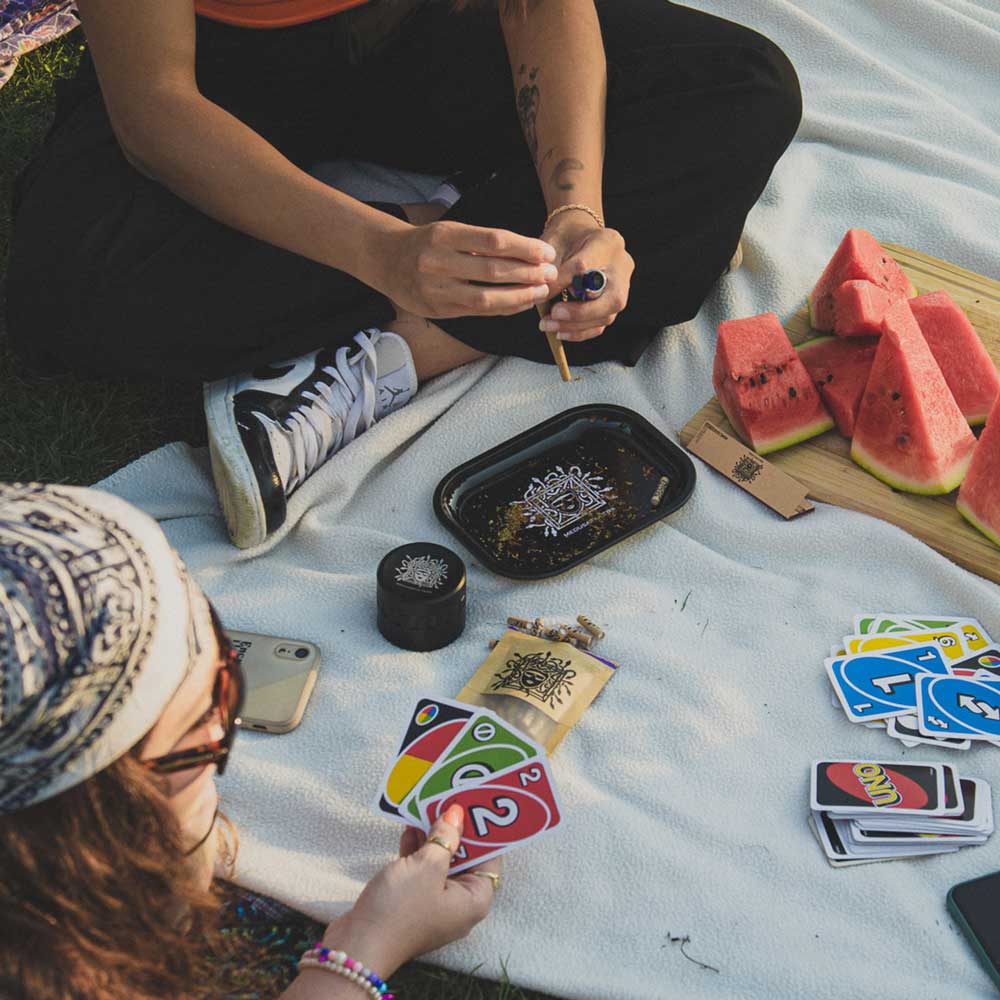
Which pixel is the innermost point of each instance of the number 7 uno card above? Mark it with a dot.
(485, 746)
(881, 685)
(507, 809)
(949, 641)
(860, 786)
(433, 726)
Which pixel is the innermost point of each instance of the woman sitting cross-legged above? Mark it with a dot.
(174, 224)
(119, 694)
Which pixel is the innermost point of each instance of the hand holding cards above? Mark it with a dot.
(866, 811)
(458, 754)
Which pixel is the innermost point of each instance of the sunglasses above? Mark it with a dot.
(227, 700)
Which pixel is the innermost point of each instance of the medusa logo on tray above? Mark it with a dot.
(539, 675)
(563, 499)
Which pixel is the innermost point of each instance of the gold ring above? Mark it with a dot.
(492, 876)
(441, 842)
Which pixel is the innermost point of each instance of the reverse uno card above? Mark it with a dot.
(949, 641)
(958, 706)
(502, 811)
(906, 729)
(868, 786)
(880, 685)
(433, 726)
(485, 746)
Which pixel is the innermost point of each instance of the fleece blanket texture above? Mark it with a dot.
(685, 784)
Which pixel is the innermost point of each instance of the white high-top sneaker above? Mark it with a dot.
(270, 429)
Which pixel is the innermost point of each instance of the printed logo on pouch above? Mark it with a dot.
(747, 469)
(562, 500)
(424, 572)
(538, 675)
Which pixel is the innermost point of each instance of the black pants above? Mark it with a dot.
(110, 272)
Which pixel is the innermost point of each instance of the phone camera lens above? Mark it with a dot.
(301, 652)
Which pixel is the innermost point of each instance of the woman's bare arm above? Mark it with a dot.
(560, 80)
(144, 51)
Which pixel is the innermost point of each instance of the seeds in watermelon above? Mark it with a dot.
(840, 369)
(918, 442)
(967, 366)
(979, 497)
(763, 387)
(859, 257)
(859, 308)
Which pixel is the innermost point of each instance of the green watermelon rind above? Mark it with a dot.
(928, 488)
(963, 509)
(801, 434)
(814, 342)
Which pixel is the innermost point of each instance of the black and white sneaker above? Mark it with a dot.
(270, 429)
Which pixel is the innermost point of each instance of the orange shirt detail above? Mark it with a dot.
(271, 13)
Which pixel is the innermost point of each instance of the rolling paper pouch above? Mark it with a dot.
(540, 686)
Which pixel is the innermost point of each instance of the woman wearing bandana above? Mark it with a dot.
(118, 699)
(175, 224)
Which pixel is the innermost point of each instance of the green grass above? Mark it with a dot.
(64, 429)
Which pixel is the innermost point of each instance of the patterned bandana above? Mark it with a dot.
(99, 624)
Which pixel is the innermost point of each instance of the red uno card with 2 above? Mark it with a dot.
(509, 808)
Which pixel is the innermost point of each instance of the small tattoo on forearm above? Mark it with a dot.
(528, 99)
(561, 173)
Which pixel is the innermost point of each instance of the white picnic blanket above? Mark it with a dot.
(684, 785)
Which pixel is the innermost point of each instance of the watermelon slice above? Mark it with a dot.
(840, 369)
(859, 257)
(979, 497)
(859, 308)
(763, 387)
(968, 368)
(910, 432)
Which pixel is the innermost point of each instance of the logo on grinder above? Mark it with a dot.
(424, 572)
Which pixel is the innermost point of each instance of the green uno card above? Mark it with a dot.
(486, 745)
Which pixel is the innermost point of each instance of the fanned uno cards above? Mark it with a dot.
(907, 674)
(863, 811)
(458, 754)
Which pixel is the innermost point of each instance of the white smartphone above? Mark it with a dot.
(280, 676)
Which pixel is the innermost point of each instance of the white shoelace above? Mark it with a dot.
(335, 415)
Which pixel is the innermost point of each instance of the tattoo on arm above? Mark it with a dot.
(528, 99)
(561, 173)
(510, 8)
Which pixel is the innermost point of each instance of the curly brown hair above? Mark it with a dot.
(97, 897)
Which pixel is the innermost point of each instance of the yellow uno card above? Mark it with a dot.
(949, 641)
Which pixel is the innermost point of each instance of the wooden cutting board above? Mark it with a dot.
(824, 466)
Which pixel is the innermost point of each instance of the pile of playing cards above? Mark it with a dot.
(924, 678)
(866, 811)
(454, 753)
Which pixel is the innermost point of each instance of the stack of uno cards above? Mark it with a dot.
(454, 753)
(924, 678)
(866, 811)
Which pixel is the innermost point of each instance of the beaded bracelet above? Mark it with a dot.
(567, 208)
(341, 964)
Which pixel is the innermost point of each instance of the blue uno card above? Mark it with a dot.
(881, 685)
(958, 706)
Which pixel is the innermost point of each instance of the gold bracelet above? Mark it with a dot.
(566, 208)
